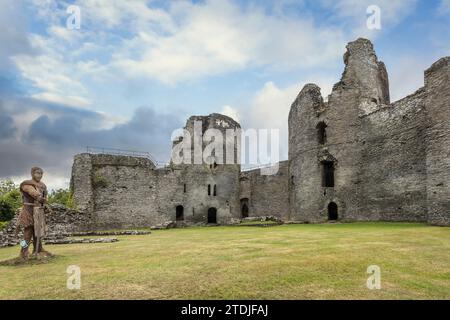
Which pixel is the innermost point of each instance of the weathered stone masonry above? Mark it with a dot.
(390, 161)
(125, 191)
(354, 157)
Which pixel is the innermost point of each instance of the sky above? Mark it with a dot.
(135, 70)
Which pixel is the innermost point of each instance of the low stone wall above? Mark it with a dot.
(61, 221)
(80, 240)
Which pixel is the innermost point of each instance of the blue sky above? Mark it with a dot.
(135, 70)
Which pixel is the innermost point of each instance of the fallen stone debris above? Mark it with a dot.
(80, 240)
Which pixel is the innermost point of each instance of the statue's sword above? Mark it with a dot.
(38, 216)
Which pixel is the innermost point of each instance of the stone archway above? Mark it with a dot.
(244, 207)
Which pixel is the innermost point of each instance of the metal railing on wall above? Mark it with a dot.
(122, 152)
(262, 166)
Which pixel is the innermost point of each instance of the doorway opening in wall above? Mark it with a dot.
(212, 215)
(179, 213)
(244, 207)
(332, 211)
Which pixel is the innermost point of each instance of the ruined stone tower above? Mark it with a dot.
(129, 191)
(354, 157)
(358, 157)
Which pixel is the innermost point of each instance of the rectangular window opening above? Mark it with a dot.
(328, 174)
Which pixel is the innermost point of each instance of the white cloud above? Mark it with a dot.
(192, 41)
(269, 108)
(69, 100)
(52, 181)
(406, 67)
(231, 112)
(184, 42)
(52, 74)
(444, 7)
(352, 13)
(13, 36)
(135, 14)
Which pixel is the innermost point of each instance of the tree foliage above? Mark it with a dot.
(10, 200)
(7, 186)
(61, 196)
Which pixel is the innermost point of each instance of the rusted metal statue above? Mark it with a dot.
(32, 216)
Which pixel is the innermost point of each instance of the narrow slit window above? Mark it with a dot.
(184, 188)
(328, 174)
(209, 189)
(215, 190)
(322, 132)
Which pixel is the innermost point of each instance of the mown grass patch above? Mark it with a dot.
(324, 261)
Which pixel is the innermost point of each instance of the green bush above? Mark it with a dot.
(3, 224)
(14, 198)
(10, 200)
(6, 211)
(61, 196)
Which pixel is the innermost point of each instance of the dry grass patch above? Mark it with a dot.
(326, 261)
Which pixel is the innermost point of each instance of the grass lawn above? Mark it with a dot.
(324, 261)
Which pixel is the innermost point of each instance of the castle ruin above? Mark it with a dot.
(354, 157)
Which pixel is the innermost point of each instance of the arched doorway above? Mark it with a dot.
(244, 207)
(212, 215)
(179, 213)
(244, 211)
(332, 211)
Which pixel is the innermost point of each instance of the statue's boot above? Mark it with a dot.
(28, 235)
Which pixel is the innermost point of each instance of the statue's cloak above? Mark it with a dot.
(32, 195)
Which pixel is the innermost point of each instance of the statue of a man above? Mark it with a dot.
(31, 217)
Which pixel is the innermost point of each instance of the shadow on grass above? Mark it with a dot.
(32, 260)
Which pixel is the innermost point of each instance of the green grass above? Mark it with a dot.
(326, 261)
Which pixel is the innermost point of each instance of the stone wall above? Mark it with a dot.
(268, 195)
(437, 103)
(391, 161)
(126, 191)
(392, 183)
(61, 221)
